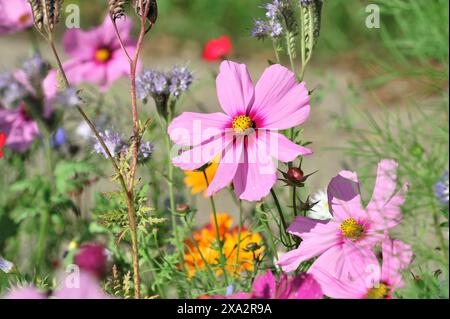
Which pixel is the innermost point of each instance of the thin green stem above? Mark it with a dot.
(268, 230)
(294, 200)
(439, 235)
(45, 215)
(277, 54)
(280, 212)
(219, 240)
(241, 213)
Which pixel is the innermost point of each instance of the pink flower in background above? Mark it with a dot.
(84, 286)
(245, 135)
(303, 286)
(92, 258)
(16, 15)
(95, 55)
(347, 239)
(374, 282)
(20, 129)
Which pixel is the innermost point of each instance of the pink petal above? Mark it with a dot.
(231, 157)
(79, 71)
(25, 293)
(194, 128)
(304, 286)
(108, 34)
(320, 239)
(83, 287)
(302, 225)
(274, 84)
(396, 257)
(234, 88)
(384, 207)
(80, 44)
(264, 286)
(257, 174)
(203, 153)
(116, 68)
(348, 264)
(291, 110)
(335, 288)
(344, 196)
(280, 147)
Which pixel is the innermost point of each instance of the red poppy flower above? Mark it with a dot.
(2, 142)
(217, 49)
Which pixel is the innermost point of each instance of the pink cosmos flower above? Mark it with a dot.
(20, 129)
(350, 235)
(245, 135)
(95, 55)
(374, 282)
(16, 15)
(265, 286)
(83, 287)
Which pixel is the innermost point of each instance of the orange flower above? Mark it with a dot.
(204, 251)
(196, 179)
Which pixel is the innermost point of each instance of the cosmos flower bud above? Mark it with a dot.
(117, 8)
(295, 174)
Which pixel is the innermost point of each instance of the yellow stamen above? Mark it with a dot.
(380, 292)
(102, 55)
(242, 123)
(352, 229)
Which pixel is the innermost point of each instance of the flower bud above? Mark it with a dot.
(295, 174)
(182, 208)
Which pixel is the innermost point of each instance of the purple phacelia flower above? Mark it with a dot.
(441, 190)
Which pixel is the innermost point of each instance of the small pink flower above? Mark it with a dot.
(92, 258)
(84, 287)
(16, 15)
(244, 136)
(25, 293)
(303, 286)
(74, 286)
(353, 231)
(373, 281)
(95, 55)
(20, 129)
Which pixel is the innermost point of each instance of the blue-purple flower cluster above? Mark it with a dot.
(11, 90)
(272, 26)
(153, 83)
(441, 189)
(116, 145)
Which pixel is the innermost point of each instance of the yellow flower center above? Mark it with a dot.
(24, 18)
(352, 229)
(380, 292)
(102, 55)
(242, 123)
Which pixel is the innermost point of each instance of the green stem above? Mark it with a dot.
(263, 219)
(239, 235)
(294, 200)
(45, 215)
(280, 212)
(219, 240)
(439, 235)
(170, 187)
(277, 55)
